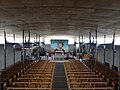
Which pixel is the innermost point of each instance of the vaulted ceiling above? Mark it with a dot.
(60, 17)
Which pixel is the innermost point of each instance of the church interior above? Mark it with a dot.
(59, 45)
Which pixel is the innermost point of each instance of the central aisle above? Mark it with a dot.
(59, 79)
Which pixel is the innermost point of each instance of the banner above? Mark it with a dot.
(59, 44)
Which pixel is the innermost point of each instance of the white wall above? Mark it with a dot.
(9, 56)
(72, 47)
(17, 56)
(101, 54)
(47, 47)
(1, 56)
(109, 55)
(117, 56)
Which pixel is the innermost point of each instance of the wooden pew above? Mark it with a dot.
(107, 73)
(12, 72)
(80, 77)
(34, 79)
(38, 77)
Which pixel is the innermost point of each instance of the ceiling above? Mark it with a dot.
(60, 17)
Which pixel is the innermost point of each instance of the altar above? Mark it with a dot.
(59, 55)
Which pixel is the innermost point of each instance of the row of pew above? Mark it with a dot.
(80, 77)
(110, 75)
(38, 76)
(13, 71)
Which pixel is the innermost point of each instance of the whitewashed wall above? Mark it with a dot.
(101, 54)
(109, 55)
(117, 56)
(9, 56)
(1, 56)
